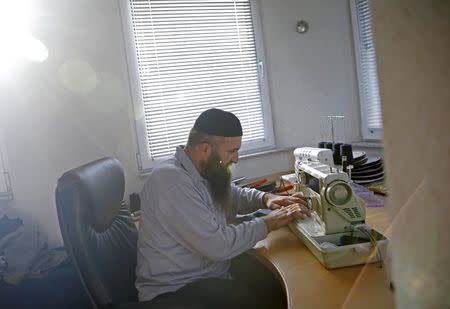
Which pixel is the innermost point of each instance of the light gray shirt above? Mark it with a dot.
(183, 234)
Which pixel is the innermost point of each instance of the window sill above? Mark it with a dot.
(263, 152)
(368, 144)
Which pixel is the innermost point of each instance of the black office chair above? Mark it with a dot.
(98, 232)
(100, 237)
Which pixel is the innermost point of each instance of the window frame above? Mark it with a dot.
(366, 132)
(4, 174)
(143, 156)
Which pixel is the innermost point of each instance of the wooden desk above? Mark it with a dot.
(308, 284)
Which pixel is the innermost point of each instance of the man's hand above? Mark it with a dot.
(273, 201)
(282, 216)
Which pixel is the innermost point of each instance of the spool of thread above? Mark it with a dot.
(344, 164)
(337, 158)
(321, 144)
(329, 145)
(346, 150)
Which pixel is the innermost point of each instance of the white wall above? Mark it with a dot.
(313, 74)
(310, 75)
(68, 110)
(75, 107)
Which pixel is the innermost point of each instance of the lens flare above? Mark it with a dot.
(16, 41)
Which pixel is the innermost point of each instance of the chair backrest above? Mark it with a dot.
(98, 231)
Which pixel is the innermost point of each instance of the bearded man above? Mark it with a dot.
(186, 238)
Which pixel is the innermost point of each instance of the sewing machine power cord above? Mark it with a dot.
(363, 229)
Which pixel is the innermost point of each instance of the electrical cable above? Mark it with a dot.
(374, 244)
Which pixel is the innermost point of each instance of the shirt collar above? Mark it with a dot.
(182, 157)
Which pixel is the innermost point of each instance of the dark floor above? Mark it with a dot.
(61, 288)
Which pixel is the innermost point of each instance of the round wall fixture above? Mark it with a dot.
(302, 26)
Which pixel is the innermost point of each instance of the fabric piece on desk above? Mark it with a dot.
(7, 239)
(4, 242)
(8, 225)
(22, 252)
(10, 229)
(369, 198)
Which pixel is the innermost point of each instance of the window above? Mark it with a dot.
(186, 56)
(372, 125)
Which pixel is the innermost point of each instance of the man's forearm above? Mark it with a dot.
(265, 199)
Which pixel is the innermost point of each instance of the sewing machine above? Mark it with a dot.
(336, 232)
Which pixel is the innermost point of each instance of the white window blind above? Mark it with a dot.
(367, 68)
(193, 55)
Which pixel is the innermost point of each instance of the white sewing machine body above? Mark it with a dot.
(337, 213)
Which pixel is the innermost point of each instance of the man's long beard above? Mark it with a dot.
(219, 178)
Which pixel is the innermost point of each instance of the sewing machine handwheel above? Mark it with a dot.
(338, 193)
